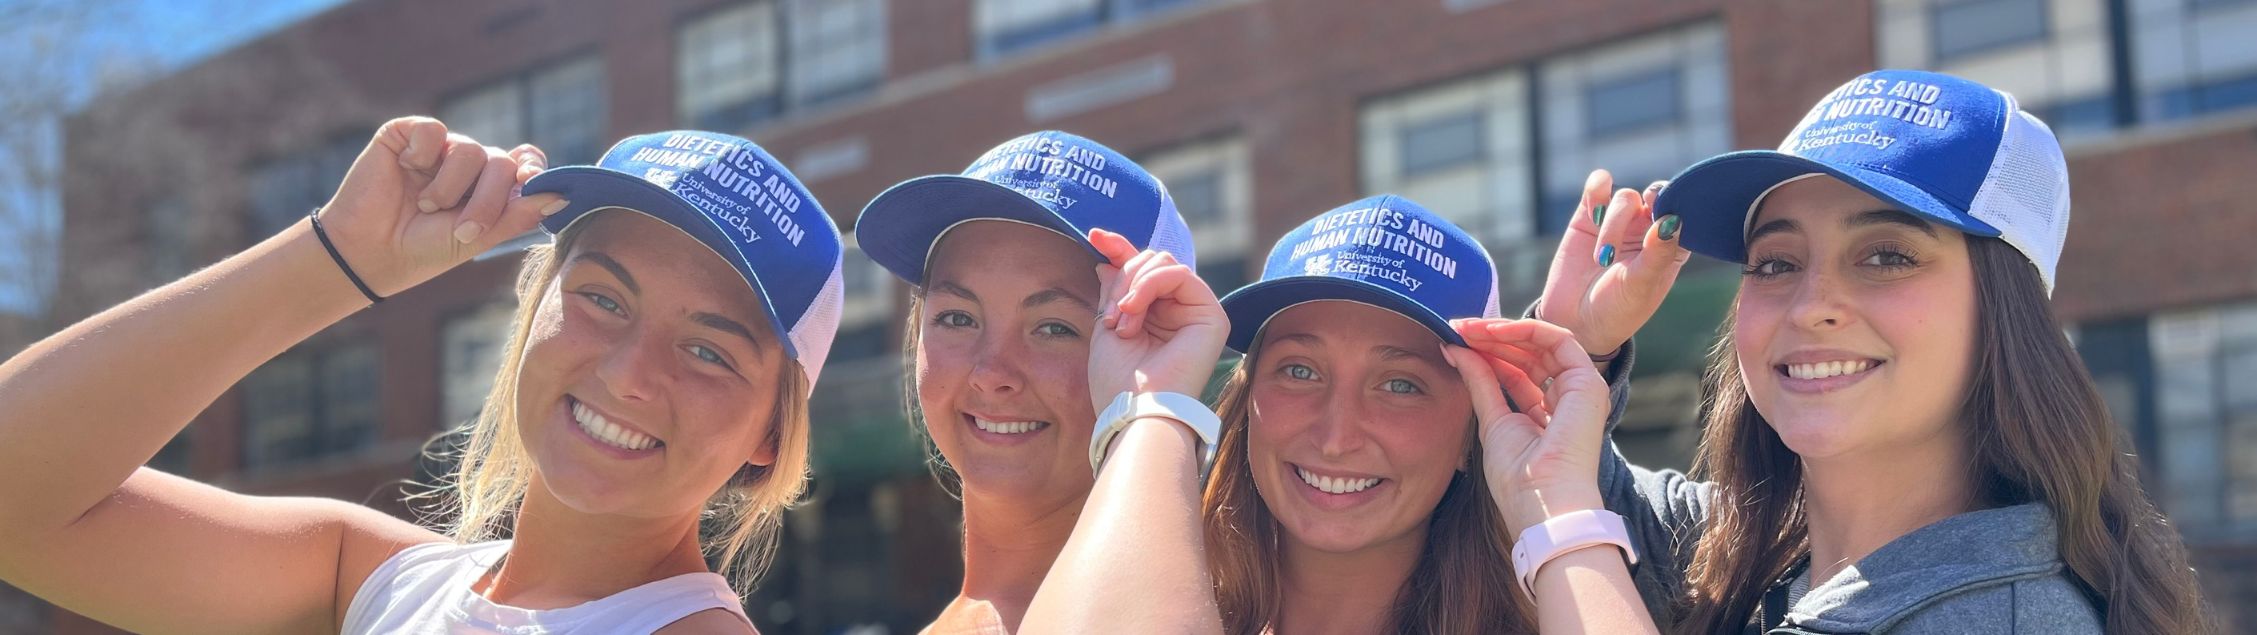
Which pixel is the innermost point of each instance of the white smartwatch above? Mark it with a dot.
(1565, 533)
(1177, 407)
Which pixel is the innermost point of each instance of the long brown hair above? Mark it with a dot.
(2040, 433)
(1463, 582)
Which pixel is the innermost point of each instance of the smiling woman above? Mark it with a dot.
(1349, 491)
(1002, 314)
(656, 376)
(1899, 437)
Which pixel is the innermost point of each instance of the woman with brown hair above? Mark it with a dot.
(1003, 313)
(1348, 492)
(1899, 436)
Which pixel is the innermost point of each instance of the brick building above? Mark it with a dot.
(1257, 113)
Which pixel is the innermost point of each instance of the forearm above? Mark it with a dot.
(1137, 561)
(1589, 591)
(88, 405)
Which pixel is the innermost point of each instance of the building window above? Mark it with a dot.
(838, 49)
(1643, 108)
(170, 237)
(2207, 420)
(868, 305)
(470, 352)
(565, 111)
(750, 62)
(1460, 149)
(1629, 104)
(284, 189)
(2054, 56)
(1211, 183)
(562, 108)
(728, 68)
(305, 405)
(2193, 58)
(1009, 26)
(1442, 143)
(1962, 28)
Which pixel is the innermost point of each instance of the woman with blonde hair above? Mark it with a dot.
(656, 376)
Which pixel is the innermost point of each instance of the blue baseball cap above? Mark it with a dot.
(740, 202)
(1385, 251)
(1048, 179)
(1951, 150)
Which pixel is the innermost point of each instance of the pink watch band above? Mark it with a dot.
(1565, 533)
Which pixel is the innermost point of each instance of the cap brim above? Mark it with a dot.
(1251, 307)
(899, 228)
(1716, 198)
(591, 188)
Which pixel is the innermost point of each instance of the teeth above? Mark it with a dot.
(1822, 370)
(1331, 485)
(1007, 427)
(610, 433)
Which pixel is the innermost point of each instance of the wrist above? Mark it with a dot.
(1148, 383)
(1131, 411)
(1532, 506)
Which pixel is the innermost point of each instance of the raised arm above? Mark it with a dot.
(1137, 561)
(1542, 463)
(92, 531)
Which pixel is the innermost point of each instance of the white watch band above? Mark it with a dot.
(1566, 533)
(1177, 407)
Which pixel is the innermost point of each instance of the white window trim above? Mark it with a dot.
(874, 306)
(1230, 235)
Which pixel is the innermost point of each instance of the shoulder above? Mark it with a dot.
(2047, 604)
(366, 540)
(716, 620)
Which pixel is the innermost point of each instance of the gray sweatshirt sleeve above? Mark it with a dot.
(1664, 510)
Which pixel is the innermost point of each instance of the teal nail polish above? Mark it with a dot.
(1669, 226)
(1599, 214)
(1606, 255)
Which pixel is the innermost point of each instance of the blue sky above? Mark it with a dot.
(163, 34)
(177, 32)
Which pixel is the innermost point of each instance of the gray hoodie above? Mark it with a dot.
(1989, 571)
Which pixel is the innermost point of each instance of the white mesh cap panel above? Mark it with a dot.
(1170, 235)
(1489, 308)
(2026, 194)
(812, 336)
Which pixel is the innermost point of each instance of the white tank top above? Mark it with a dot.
(426, 590)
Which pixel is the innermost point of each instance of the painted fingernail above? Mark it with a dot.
(426, 205)
(467, 231)
(1599, 213)
(1669, 226)
(560, 204)
(1606, 255)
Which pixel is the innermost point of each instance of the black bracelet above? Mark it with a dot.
(340, 258)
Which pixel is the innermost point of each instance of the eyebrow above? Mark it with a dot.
(616, 269)
(1861, 219)
(1039, 298)
(1304, 339)
(1779, 226)
(1056, 294)
(721, 323)
(1891, 217)
(1392, 353)
(957, 290)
